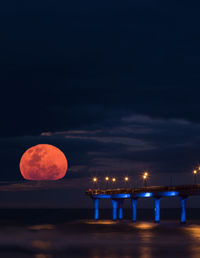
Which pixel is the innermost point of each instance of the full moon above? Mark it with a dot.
(43, 162)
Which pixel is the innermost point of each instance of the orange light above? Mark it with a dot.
(195, 172)
(107, 178)
(126, 178)
(114, 179)
(144, 177)
(146, 174)
(94, 179)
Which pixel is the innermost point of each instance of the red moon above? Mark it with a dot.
(43, 162)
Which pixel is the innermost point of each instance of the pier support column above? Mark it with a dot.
(134, 209)
(183, 209)
(114, 204)
(96, 208)
(120, 205)
(157, 209)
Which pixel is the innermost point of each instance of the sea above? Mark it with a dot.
(59, 233)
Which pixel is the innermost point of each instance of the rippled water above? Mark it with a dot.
(54, 234)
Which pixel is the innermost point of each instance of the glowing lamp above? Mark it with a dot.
(94, 179)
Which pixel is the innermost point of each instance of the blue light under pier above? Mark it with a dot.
(120, 196)
(134, 209)
(169, 194)
(157, 209)
(114, 204)
(96, 208)
(120, 204)
(142, 195)
(102, 196)
(183, 209)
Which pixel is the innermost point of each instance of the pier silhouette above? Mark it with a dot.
(117, 196)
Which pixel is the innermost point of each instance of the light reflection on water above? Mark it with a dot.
(145, 225)
(41, 245)
(102, 222)
(120, 240)
(146, 238)
(194, 232)
(42, 227)
(106, 239)
(131, 244)
(145, 252)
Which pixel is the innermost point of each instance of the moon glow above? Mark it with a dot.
(43, 162)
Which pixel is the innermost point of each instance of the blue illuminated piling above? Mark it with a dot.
(96, 209)
(134, 209)
(120, 203)
(114, 204)
(183, 209)
(157, 209)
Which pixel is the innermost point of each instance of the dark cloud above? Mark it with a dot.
(130, 144)
(38, 185)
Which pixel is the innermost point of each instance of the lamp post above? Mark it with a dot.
(107, 180)
(195, 176)
(113, 180)
(95, 180)
(126, 179)
(145, 177)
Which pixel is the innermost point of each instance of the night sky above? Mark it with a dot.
(114, 84)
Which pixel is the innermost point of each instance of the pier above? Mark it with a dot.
(117, 197)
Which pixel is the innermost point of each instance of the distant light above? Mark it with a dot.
(144, 177)
(173, 193)
(126, 178)
(195, 171)
(106, 178)
(114, 179)
(170, 193)
(146, 174)
(145, 225)
(147, 194)
(94, 179)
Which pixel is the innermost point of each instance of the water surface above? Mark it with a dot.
(62, 233)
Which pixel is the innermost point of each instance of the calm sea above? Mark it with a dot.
(59, 233)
